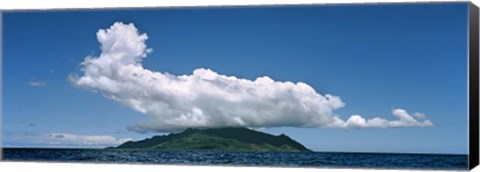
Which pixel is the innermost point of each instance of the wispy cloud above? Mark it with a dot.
(62, 140)
(206, 98)
(37, 83)
(72, 139)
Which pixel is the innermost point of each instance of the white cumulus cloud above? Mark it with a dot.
(206, 98)
(403, 120)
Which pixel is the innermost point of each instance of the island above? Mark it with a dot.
(218, 139)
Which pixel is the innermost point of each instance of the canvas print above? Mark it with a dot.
(308, 86)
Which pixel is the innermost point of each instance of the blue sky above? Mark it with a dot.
(374, 57)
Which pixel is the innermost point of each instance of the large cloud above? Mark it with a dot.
(206, 98)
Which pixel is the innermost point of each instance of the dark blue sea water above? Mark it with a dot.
(283, 159)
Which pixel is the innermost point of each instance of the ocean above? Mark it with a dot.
(278, 159)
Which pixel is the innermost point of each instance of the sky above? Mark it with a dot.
(336, 78)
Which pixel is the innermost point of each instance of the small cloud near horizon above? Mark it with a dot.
(62, 139)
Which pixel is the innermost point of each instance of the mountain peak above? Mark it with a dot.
(222, 139)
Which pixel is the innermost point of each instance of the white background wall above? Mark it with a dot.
(62, 4)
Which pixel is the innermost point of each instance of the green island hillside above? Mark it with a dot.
(219, 139)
